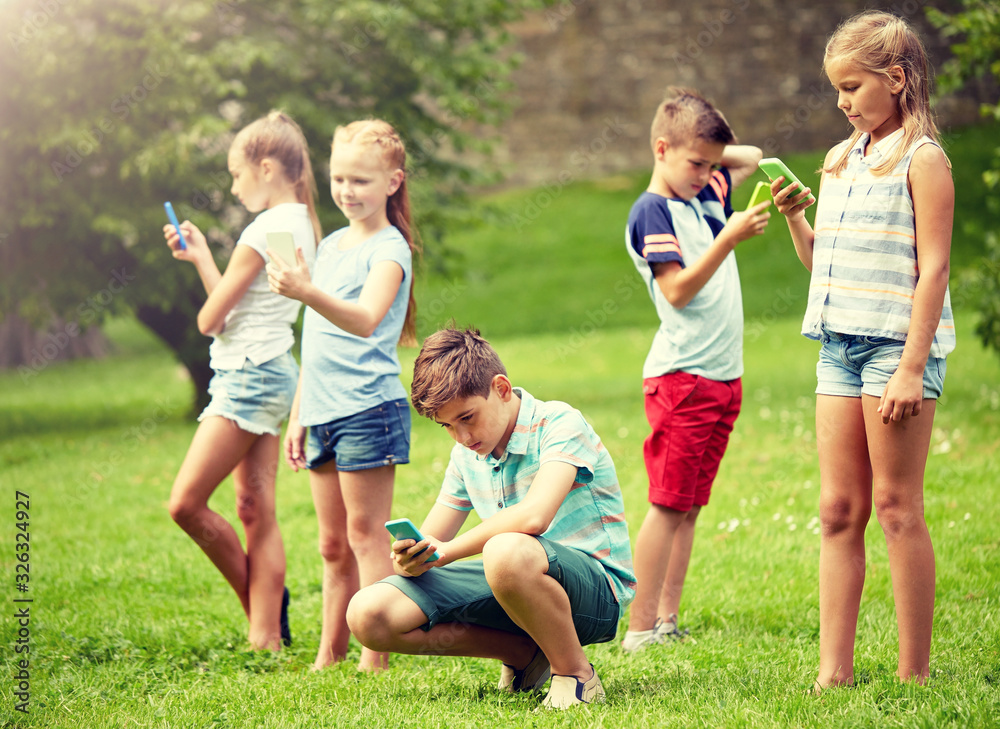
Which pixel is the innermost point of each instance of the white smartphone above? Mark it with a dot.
(405, 529)
(283, 244)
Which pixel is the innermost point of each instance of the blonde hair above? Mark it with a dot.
(277, 137)
(685, 116)
(381, 135)
(453, 364)
(876, 41)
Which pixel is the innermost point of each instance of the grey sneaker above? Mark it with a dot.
(666, 631)
(530, 678)
(636, 641)
(566, 691)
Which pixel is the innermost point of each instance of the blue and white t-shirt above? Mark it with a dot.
(342, 373)
(706, 336)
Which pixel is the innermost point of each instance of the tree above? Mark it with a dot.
(977, 57)
(110, 107)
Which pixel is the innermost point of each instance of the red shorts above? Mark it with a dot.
(692, 418)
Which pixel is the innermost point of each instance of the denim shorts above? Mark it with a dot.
(850, 365)
(376, 437)
(255, 397)
(459, 593)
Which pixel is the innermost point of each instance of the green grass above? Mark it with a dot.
(131, 625)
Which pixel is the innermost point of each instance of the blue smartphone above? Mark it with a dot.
(405, 529)
(173, 221)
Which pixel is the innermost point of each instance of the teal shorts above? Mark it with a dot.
(458, 593)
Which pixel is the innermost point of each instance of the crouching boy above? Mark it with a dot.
(556, 568)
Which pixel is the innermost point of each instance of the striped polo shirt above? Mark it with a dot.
(591, 519)
(705, 337)
(864, 269)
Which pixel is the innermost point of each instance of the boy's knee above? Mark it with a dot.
(369, 616)
(509, 560)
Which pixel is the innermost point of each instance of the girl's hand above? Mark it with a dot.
(287, 280)
(903, 396)
(197, 246)
(748, 223)
(406, 560)
(295, 452)
(789, 205)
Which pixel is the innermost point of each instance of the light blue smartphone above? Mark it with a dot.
(173, 221)
(405, 529)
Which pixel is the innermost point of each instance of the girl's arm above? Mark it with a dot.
(741, 161)
(933, 193)
(295, 434)
(793, 207)
(361, 318)
(224, 290)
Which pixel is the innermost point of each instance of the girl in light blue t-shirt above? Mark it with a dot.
(255, 373)
(350, 423)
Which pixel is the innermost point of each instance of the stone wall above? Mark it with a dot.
(595, 71)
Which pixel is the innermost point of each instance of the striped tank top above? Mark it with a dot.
(865, 255)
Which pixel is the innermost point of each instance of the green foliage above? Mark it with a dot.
(110, 107)
(977, 56)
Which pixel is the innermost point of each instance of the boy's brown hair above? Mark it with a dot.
(452, 364)
(684, 116)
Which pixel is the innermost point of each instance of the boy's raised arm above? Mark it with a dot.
(741, 161)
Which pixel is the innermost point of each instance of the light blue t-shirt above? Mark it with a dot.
(591, 519)
(705, 337)
(344, 374)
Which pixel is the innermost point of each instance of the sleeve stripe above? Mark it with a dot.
(661, 248)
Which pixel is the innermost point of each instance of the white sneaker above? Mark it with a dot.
(565, 691)
(530, 678)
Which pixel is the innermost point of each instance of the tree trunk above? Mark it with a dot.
(179, 331)
(31, 350)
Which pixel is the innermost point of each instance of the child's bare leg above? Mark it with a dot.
(218, 446)
(386, 620)
(899, 455)
(368, 497)
(255, 504)
(340, 570)
(515, 566)
(680, 558)
(653, 552)
(844, 510)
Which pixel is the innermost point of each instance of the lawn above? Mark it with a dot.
(131, 626)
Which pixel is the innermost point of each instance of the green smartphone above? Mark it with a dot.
(761, 193)
(774, 168)
(405, 529)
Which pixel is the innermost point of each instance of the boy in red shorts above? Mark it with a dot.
(681, 235)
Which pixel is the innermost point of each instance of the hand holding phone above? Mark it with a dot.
(775, 168)
(173, 221)
(405, 529)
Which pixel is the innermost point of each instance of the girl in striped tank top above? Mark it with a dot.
(878, 302)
